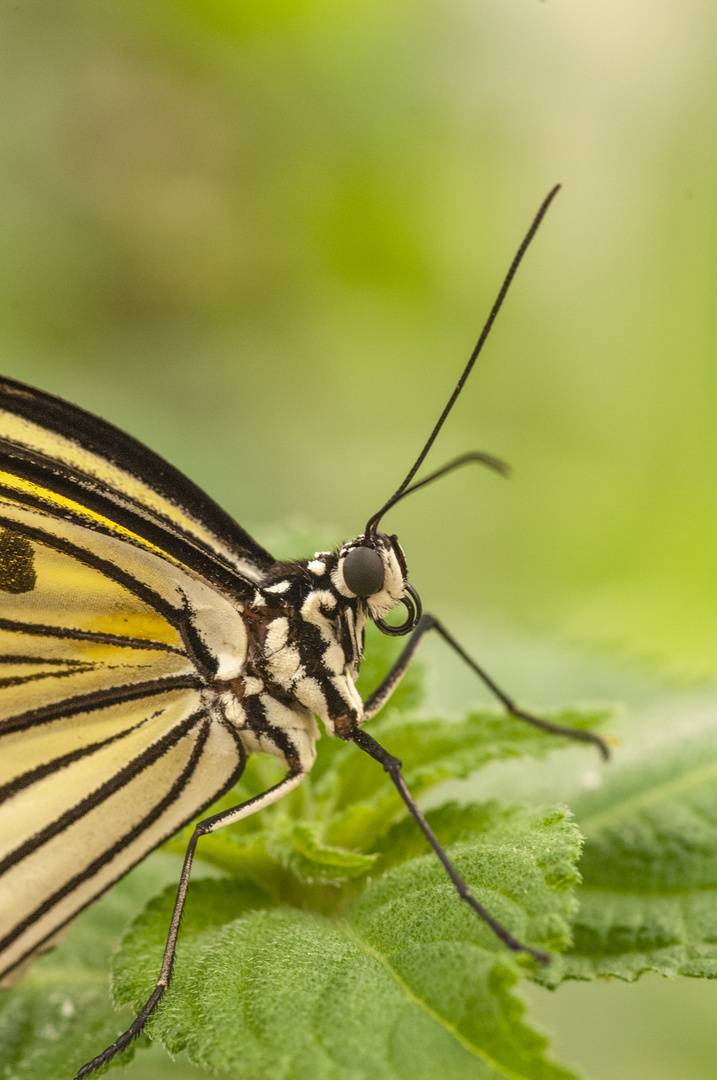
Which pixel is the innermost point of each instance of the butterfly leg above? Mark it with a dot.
(392, 764)
(209, 825)
(382, 693)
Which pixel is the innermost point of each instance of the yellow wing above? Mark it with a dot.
(78, 460)
(120, 604)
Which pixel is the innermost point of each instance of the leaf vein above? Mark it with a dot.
(499, 1068)
(635, 803)
(656, 892)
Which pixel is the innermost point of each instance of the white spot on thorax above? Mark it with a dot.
(277, 634)
(283, 660)
(280, 587)
(310, 694)
(316, 566)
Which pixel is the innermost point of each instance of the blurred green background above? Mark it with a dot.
(262, 236)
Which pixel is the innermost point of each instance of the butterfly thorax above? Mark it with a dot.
(305, 634)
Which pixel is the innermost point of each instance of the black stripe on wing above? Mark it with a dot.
(118, 781)
(157, 530)
(94, 867)
(65, 669)
(98, 699)
(111, 444)
(20, 782)
(95, 636)
(11, 658)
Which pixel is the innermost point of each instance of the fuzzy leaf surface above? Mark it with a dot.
(404, 981)
(648, 900)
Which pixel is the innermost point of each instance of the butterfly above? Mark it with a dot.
(149, 644)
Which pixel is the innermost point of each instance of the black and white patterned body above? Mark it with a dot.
(304, 643)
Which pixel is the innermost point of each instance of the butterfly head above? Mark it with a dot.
(373, 568)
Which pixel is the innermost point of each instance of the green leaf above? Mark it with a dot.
(455, 822)
(301, 849)
(431, 751)
(648, 901)
(404, 982)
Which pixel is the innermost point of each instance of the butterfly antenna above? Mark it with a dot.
(373, 521)
(494, 463)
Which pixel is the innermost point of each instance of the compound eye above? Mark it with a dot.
(363, 571)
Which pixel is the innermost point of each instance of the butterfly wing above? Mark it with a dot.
(121, 585)
(79, 457)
